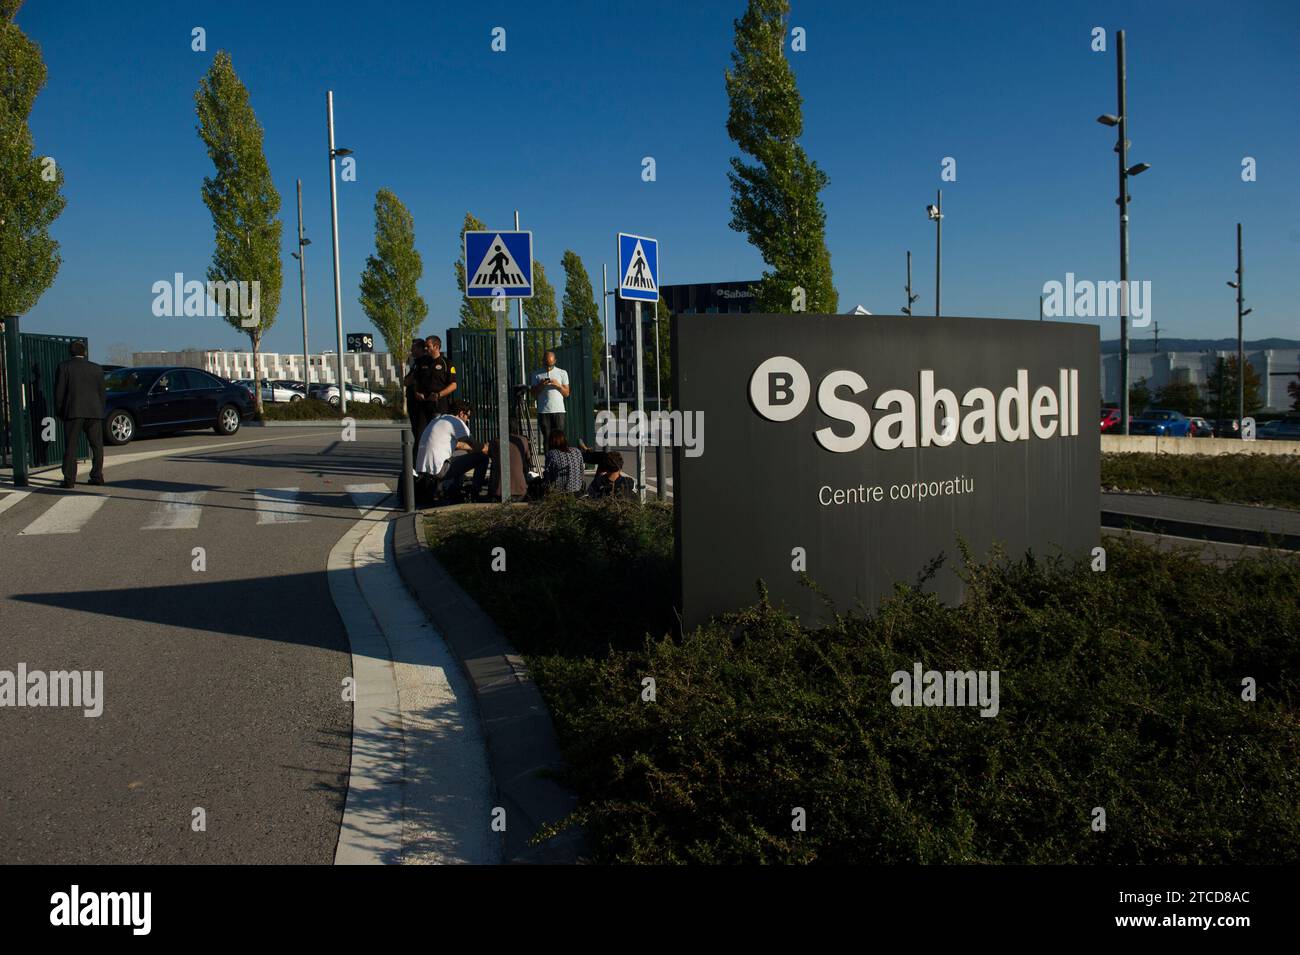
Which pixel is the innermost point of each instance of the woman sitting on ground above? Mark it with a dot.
(610, 481)
(563, 470)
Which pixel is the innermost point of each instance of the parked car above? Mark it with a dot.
(330, 393)
(1226, 428)
(1163, 422)
(272, 390)
(160, 399)
(1110, 420)
(1280, 429)
(1201, 428)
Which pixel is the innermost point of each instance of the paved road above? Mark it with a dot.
(222, 688)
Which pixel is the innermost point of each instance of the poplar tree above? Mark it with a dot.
(30, 200)
(389, 293)
(775, 199)
(243, 201)
(580, 309)
(474, 312)
(541, 312)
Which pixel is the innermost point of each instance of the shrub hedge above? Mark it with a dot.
(1119, 689)
(1228, 478)
(313, 409)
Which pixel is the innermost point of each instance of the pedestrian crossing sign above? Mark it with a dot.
(638, 266)
(498, 263)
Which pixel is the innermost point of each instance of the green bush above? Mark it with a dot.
(1119, 689)
(313, 409)
(1228, 478)
(581, 573)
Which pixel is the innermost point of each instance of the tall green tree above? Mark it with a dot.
(1182, 396)
(776, 198)
(1139, 396)
(541, 312)
(580, 309)
(474, 312)
(30, 200)
(243, 201)
(1221, 389)
(1293, 389)
(663, 318)
(389, 293)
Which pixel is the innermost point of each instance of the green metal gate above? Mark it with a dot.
(28, 364)
(473, 352)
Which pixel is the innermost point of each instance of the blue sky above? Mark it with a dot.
(557, 125)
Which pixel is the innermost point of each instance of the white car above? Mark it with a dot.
(272, 390)
(330, 393)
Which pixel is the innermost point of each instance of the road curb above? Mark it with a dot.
(1217, 533)
(522, 748)
(360, 423)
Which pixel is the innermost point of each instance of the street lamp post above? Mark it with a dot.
(1239, 285)
(935, 212)
(907, 309)
(334, 232)
(303, 242)
(1121, 148)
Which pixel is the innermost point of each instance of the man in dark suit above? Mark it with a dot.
(79, 401)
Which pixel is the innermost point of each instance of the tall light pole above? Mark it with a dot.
(605, 293)
(1239, 285)
(1121, 148)
(303, 242)
(907, 309)
(935, 212)
(334, 232)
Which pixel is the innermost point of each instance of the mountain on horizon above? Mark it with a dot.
(1144, 344)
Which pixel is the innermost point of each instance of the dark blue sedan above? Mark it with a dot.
(160, 399)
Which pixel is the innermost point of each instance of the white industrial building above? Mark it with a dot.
(360, 368)
(1276, 367)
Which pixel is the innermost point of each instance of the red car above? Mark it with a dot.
(1110, 419)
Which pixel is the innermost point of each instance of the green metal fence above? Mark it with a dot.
(27, 411)
(473, 353)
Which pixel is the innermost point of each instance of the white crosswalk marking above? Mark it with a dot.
(278, 505)
(67, 516)
(367, 496)
(12, 498)
(176, 511)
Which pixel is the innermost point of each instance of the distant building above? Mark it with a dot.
(1274, 366)
(711, 297)
(375, 368)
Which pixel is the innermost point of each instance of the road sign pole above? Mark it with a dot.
(503, 408)
(519, 304)
(640, 409)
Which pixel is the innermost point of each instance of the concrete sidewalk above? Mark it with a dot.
(522, 749)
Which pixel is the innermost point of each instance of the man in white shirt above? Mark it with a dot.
(550, 388)
(446, 451)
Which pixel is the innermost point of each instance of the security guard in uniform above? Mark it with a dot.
(416, 383)
(441, 377)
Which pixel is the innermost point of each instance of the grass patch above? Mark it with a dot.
(313, 409)
(1119, 689)
(1228, 478)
